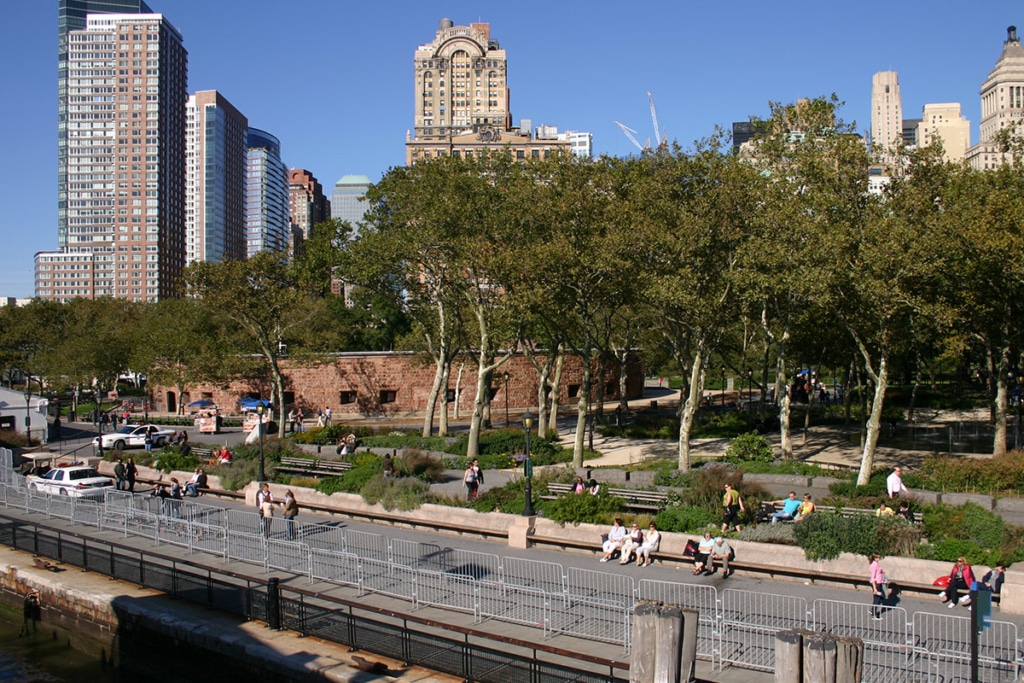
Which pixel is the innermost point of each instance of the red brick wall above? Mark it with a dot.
(403, 373)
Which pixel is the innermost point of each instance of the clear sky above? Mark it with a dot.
(332, 79)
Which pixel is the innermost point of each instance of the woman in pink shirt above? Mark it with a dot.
(878, 587)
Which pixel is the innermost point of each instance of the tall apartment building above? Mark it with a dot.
(123, 181)
(1002, 102)
(267, 221)
(886, 110)
(307, 203)
(462, 98)
(348, 201)
(71, 16)
(215, 181)
(943, 122)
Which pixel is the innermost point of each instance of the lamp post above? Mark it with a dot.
(528, 466)
(723, 387)
(28, 413)
(504, 376)
(750, 395)
(259, 426)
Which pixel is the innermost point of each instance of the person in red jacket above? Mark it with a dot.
(960, 579)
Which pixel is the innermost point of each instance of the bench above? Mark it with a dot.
(314, 466)
(205, 454)
(636, 499)
(847, 512)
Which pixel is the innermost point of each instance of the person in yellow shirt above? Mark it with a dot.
(733, 504)
(806, 508)
(884, 511)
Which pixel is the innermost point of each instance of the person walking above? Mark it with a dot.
(119, 476)
(131, 473)
(879, 587)
(732, 502)
(471, 479)
(894, 483)
(291, 511)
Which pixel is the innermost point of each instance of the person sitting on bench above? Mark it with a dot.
(702, 559)
(789, 509)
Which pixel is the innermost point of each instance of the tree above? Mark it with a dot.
(262, 296)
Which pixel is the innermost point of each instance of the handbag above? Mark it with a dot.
(691, 549)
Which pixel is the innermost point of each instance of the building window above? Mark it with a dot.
(388, 396)
(345, 397)
(451, 396)
(574, 391)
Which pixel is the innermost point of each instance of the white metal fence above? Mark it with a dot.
(736, 627)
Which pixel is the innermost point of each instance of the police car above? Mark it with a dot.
(76, 481)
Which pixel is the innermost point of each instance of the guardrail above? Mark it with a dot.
(736, 627)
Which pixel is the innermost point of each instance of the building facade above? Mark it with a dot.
(71, 16)
(943, 123)
(124, 178)
(462, 99)
(267, 220)
(215, 181)
(307, 203)
(886, 110)
(1002, 103)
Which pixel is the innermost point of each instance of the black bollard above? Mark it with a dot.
(274, 603)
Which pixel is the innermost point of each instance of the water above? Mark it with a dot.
(145, 657)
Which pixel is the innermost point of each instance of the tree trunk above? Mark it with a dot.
(1001, 402)
(476, 422)
(556, 385)
(428, 418)
(913, 391)
(867, 460)
(442, 420)
(688, 408)
(785, 438)
(581, 407)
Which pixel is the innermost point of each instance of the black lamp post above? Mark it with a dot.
(504, 376)
(28, 413)
(723, 387)
(528, 466)
(750, 395)
(259, 425)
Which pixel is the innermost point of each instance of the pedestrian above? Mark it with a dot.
(884, 511)
(265, 503)
(905, 512)
(291, 421)
(732, 503)
(721, 551)
(879, 587)
(120, 482)
(993, 579)
(299, 417)
(894, 483)
(149, 440)
(960, 579)
(291, 510)
(789, 505)
(131, 472)
(471, 479)
(174, 503)
(32, 612)
(328, 416)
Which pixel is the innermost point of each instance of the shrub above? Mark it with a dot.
(169, 459)
(418, 464)
(238, 474)
(403, 493)
(783, 534)
(575, 509)
(823, 536)
(750, 447)
(685, 519)
(352, 481)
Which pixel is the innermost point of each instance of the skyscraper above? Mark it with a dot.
(1002, 102)
(308, 203)
(71, 16)
(943, 122)
(267, 223)
(462, 98)
(123, 184)
(886, 110)
(347, 200)
(215, 184)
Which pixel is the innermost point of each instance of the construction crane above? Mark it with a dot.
(631, 134)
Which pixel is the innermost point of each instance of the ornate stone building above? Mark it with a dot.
(462, 99)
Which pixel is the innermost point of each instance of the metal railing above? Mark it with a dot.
(736, 627)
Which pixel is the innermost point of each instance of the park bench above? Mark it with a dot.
(314, 466)
(205, 454)
(636, 499)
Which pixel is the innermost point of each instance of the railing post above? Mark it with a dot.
(274, 603)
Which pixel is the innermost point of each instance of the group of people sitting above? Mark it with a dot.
(793, 509)
(628, 544)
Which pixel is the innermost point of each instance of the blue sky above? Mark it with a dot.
(333, 78)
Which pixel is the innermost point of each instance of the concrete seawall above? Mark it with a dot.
(98, 615)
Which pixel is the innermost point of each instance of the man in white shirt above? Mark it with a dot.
(894, 483)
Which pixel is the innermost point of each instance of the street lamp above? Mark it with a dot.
(504, 376)
(28, 414)
(750, 394)
(259, 425)
(528, 466)
(723, 387)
